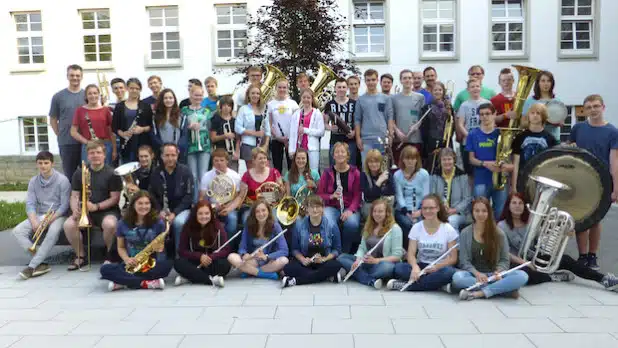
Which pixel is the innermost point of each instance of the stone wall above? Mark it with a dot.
(19, 169)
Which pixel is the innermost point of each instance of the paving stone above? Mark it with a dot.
(573, 340)
(140, 341)
(27, 314)
(528, 325)
(437, 311)
(543, 311)
(596, 311)
(212, 313)
(57, 341)
(271, 326)
(310, 341)
(371, 299)
(434, 326)
(373, 341)
(113, 314)
(112, 328)
(224, 341)
(35, 328)
(195, 327)
(587, 325)
(486, 340)
(365, 325)
(392, 312)
(164, 313)
(7, 341)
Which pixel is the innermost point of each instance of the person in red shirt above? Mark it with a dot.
(504, 101)
(94, 121)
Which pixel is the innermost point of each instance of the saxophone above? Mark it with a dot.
(144, 260)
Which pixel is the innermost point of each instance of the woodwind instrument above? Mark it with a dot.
(42, 227)
(93, 136)
(411, 281)
(301, 123)
(129, 130)
(367, 254)
(340, 191)
(84, 220)
(144, 260)
(493, 277)
(261, 140)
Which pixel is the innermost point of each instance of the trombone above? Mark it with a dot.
(84, 220)
(42, 227)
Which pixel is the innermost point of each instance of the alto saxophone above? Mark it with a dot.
(144, 261)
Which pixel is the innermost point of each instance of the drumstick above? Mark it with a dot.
(224, 244)
(411, 281)
(502, 274)
(364, 256)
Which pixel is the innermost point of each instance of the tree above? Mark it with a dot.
(294, 35)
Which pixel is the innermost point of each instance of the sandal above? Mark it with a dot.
(78, 262)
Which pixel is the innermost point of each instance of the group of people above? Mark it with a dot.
(355, 215)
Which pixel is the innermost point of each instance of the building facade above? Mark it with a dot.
(181, 39)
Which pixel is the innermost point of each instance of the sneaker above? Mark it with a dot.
(592, 262)
(513, 294)
(41, 269)
(288, 281)
(26, 273)
(395, 284)
(153, 284)
(377, 284)
(340, 275)
(217, 281)
(465, 295)
(180, 280)
(447, 288)
(113, 286)
(610, 282)
(562, 275)
(583, 260)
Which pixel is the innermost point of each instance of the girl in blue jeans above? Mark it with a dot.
(381, 263)
(483, 252)
(429, 239)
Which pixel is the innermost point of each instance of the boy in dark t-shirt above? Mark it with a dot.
(218, 136)
(342, 107)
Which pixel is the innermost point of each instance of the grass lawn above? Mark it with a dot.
(11, 214)
(15, 186)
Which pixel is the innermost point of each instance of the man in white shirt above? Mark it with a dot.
(280, 112)
(226, 212)
(254, 74)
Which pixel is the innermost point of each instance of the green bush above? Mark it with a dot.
(11, 214)
(14, 186)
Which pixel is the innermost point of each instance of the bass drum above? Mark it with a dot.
(590, 181)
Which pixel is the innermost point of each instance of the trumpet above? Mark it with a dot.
(104, 86)
(195, 134)
(42, 227)
(229, 143)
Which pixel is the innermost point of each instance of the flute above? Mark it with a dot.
(225, 244)
(410, 131)
(411, 281)
(364, 256)
(502, 274)
(267, 244)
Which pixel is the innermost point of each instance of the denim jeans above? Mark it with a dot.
(497, 197)
(427, 282)
(198, 163)
(457, 220)
(23, 232)
(353, 151)
(367, 274)
(369, 144)
(115, 272)
(108, 153)
(177, 224)
(510, 282)
(351, 231)
(71, 158)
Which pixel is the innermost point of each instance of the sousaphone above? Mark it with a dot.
(589, 197)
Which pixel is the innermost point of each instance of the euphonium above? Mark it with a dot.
(144, 260)
(42, 227)
(325, 76)
(126, 172)
(84, 219)
(549, 226)
(273, 75)
(527, 77)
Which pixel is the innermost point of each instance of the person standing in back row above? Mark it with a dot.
(476, 72)
(63, 106)
(370, 117)
(342, 107)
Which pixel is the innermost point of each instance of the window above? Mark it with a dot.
(507, 28)
(231, 31)
(29, 29)
(438, 28)
(97, 36)
(369, 29)
(577, 27)
(34, 134)
(164, 35)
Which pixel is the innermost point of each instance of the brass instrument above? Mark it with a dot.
(450, 89)
(126, 172)
(144, 260)
(104, 86)
(290, 208)
(549, 226)
(387, 160)
(527, 78)
(446, 139)
(42, 227)
(195, 134)
(84, 220)
(93, 135)
(325, 76)
(271, 192)
(273, 76)
(222, 189)
(230, 145)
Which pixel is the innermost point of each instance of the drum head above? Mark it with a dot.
(589, 197)
(557, 112)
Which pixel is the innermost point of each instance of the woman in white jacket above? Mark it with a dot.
(252, 124)
(306, 129)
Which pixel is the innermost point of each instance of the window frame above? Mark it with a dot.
(37, 143)
(368, 23)
(231, 27)
(15, 65)
(164, 29)
(439, 56)
(96, 32)
(524, 54)
(593, 18)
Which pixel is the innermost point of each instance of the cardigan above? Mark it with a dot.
(391, 246)
(191, 249)
(277, 249)
(461, 197)
(245, 120)
(371, 191)
(465, 251)
(314, 132)
(351, 198)
(119, 122)
(328, 230)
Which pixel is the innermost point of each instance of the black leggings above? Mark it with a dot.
(313, 273)
(188, 269)
(279, 152)
(566, 263)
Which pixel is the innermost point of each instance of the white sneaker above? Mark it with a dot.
(377, 284)
(340, 275)
(217, 281)
(154, 284)
(111, 286)
(562, 275)
(288, 281)
(180, 280)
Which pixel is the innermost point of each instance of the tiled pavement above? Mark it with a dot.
(63, 309)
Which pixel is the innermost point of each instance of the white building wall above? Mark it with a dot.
(28, 93)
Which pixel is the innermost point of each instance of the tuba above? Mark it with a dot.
(126, 172)
(325, 76)
(42, 227)
(527, 77)
(549, 226)
(144, 260)
(273, 76)
(222, 189)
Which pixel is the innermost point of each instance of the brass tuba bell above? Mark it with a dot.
(273, 76)
(325, 76)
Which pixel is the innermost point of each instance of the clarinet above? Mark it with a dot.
(126, 140)
(93, 136)
(166, 208)
(340, 190)
(301, 123)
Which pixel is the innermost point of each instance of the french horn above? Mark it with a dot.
(222, 189)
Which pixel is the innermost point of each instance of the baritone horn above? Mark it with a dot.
(527, 78)
(325, 76)
(549, 226)
(273, 76)
(42, 227)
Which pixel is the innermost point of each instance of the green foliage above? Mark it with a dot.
(11, 214)
(14, 186)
